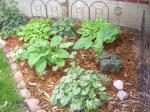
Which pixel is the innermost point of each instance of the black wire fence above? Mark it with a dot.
(144, 76)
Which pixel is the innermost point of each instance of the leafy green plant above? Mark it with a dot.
(64, 27)
(109, 62)
(41, 53)
(80, 90)
(36, 29)
(10, 18)
(94, 33)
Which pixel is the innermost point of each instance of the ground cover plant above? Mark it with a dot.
(41, 53)
(94, 33)
(36, 29)
(10, 18)
(80, 90)
(64, 27)
(10, 100)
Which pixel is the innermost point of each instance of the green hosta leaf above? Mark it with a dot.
(108, 33)
(98, 46)
(60, 62)
(66, 45)
(100, 31)
(56, 41)
(63, 53)
(33, 59)
(40, 66)
(35, 29)
(83, 43)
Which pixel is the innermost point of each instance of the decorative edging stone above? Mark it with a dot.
(32, 103)
(119, 85)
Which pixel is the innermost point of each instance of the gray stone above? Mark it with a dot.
(122, 95)
(2, 42)
(25, 93)
(18, 76)
(41, 110)
(14, 66)
(21, 85)
(33, 104)
(118, 84)
(11, 61)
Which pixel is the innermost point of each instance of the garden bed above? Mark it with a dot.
(127, 46)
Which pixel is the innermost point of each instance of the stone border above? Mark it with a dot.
(32, 103)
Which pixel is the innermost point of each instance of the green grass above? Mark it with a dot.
(8, 92)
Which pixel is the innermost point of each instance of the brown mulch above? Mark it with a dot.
(126, 46)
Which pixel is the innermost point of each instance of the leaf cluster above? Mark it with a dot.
(36, 29)
(10, 18)
(41, 53)
(80, 90)
(64, 27)
(94, 33)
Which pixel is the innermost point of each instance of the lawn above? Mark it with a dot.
(9, 98)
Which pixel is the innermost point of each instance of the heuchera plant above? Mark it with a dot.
(36, 29)
(80, 90)
(41, 53)
(94, 33)
(64, 27)
(109, 62)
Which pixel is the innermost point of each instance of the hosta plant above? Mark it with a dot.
(94, 33)
(80, 90)
(40, 53)
(36, 29)
(109, 62)
(64, 27)
(10, 18)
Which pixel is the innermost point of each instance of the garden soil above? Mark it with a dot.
(127, 46)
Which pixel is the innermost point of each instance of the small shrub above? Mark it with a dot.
(64, 27)
(10, 18)
(41, 53)
(94, 33)
(36, 29)
(109, 62)
(80, 90)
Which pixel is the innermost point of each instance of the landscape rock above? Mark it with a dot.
(6, 50)
(14, 66)
(11, 61)
(41, 110)
(25, 93)
(122, 95)
(8, 56)
(21, 85)
(33, 104)
(2, 42)
(18, 76)
(118, 84)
